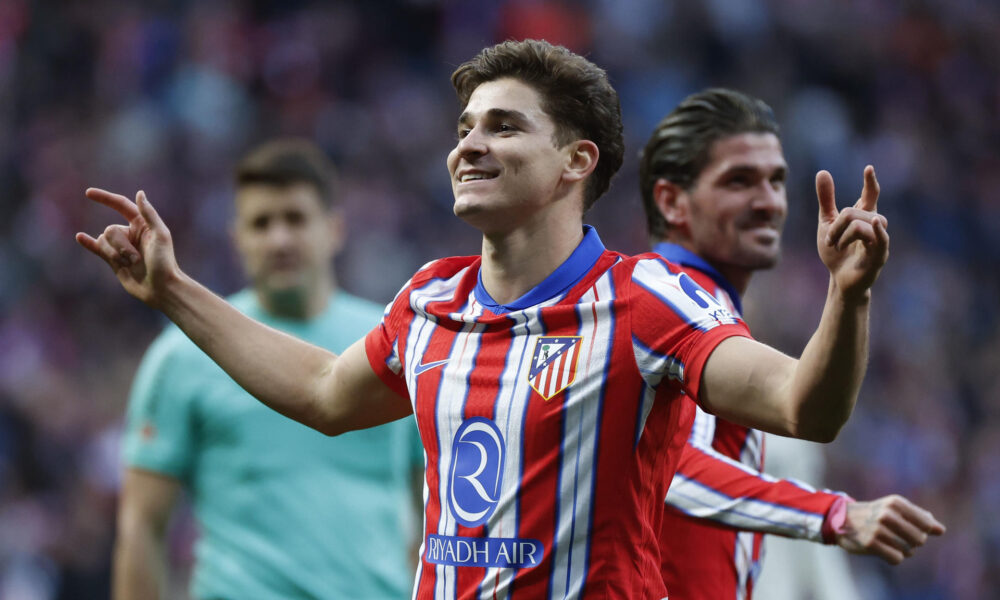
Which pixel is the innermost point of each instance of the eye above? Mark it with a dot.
(778, 181)
(259, 223)
(738, 181)
(463, 132)
(506, 128)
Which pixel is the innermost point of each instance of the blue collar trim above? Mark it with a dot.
(559, 282)
(676, 253)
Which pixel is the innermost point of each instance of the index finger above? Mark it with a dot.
(117, 202)
(826, 196)
(921, 518)
(869, 193)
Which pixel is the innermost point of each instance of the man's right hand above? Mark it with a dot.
(891, 528)
(141, 254)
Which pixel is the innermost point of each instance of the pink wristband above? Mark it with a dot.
(835, 522)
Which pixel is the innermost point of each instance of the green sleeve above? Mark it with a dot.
(159, 428)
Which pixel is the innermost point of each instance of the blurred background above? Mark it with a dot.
(166, 96)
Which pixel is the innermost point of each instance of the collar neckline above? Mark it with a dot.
(679, 254)
(568, 274)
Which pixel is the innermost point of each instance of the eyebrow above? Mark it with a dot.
(742, 168)
(497, 114)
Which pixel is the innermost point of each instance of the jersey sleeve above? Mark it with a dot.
(675, 325)
(381, 343)
(710, 485)
(159, 429)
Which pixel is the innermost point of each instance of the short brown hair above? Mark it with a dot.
(286, 162)
(681, 144)
(575, 93)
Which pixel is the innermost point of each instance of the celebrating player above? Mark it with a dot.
(283, 510)
(546, 375)
(713, 182)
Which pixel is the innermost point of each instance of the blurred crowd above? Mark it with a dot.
(165, 96)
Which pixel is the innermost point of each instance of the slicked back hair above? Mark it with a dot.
(286, 162)
(681, 144)
(575, 93)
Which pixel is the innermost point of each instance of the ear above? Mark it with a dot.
(672, 202)
(581, 160)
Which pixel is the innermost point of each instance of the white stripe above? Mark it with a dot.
(451, 395)
(695, 499)
(703, 431)
(512, 402)
(750, 454)
(654, 367)
(580, 444)
(743, 558)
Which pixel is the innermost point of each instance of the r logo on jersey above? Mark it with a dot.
(553, 365)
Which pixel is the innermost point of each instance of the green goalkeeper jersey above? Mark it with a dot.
(283, 511)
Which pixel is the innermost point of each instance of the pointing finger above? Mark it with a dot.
(117, 202)
(825, 195)
(870, 191)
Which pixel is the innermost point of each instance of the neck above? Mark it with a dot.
(514, 262)
(297, 304)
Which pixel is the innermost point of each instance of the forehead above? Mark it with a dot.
(507, 94)
(259, 198)
(757, 150)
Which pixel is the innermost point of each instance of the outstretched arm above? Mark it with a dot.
(711, 486)
(309, 384)
(811, 397)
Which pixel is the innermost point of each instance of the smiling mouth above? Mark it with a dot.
(467, 177)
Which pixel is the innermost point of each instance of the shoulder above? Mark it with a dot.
(440, 277)
(445, 268)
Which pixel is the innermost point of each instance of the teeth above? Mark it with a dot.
(475, 176)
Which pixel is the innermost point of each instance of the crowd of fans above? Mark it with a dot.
(165, 97)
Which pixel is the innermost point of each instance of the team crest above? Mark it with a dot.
(553, 365)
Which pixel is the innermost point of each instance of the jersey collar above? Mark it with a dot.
(569, 273)
(676, 253)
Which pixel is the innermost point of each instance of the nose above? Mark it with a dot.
(279, 235)
(472, 145)
(771, 198)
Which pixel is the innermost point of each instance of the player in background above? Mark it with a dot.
(283, 511)
(547, 373)
(713, 182)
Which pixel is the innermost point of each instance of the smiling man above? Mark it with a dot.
(713, 182)
(546, 374)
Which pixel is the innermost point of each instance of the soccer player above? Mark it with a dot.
(713, 182)
(283, 511)
(546, 374)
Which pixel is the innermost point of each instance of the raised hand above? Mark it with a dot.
(141, 254)
(853, 243)
(891, 528)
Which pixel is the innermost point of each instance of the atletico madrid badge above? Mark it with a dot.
(553, 365)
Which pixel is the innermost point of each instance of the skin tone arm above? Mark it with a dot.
(811, 397)
(147, 500)
(309, 384)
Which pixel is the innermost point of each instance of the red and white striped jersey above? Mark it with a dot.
(719, 478)
(551, 425)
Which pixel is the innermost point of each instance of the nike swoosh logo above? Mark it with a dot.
(417, 370)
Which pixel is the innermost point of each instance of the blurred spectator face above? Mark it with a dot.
(736, 207)
(285, 236)
(506, 164)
